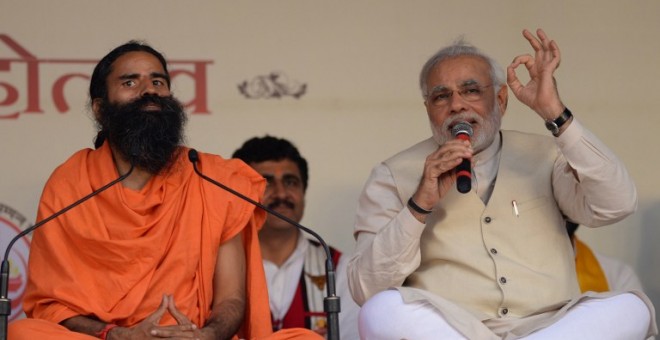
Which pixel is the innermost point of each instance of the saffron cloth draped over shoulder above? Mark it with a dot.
(114, 256)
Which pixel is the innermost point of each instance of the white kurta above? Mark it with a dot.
(589, 185)
(283, 282)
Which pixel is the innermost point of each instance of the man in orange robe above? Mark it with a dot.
(164, 253)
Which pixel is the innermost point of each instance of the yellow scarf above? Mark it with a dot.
(590, 275)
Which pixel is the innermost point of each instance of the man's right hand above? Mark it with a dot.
(439, 177)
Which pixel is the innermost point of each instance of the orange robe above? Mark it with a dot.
(115, 256)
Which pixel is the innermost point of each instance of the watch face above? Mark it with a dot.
(550, 125)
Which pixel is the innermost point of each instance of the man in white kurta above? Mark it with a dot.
(283, 282)
(495, 262)
(294, 265)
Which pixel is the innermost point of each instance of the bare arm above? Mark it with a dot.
(228, 290)
(84, 324)
(228, 309)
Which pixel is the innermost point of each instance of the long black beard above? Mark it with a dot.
(147, 139)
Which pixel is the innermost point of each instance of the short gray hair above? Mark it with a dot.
(461, 47)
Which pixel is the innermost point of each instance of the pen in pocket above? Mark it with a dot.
(515, 208)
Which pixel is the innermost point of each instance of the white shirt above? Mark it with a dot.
(283, 282)
(382, 214)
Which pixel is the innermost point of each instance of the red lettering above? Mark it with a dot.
(58, 90)
(10, 98)
(199, 102)
(32, 73)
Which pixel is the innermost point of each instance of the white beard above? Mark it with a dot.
(485, 131)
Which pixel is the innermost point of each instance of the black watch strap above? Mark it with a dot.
(556, 124)
(417, 208)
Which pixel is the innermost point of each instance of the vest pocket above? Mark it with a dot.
(529, 204)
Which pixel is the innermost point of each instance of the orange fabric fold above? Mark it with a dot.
(40, 329)
(114, 256)
(589, 272)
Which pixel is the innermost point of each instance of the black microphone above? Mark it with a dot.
(5, 302)
(463, 131)
(331, 303)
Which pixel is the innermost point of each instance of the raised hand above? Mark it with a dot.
(540, 93)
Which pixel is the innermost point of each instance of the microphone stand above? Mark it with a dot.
(5, 301)
(331, 303)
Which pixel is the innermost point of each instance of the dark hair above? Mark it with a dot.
(571, 227)
(268, 148)
(98, 87)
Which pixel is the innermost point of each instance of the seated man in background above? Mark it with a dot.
(163, 254)
(294, 264)
(493, 261)
(597, 272)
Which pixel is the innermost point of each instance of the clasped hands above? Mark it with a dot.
(150, 327)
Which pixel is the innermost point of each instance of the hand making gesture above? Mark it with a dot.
(540, 93)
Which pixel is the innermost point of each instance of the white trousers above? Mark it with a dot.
(385, 316)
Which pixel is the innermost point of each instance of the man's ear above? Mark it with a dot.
(96, 107)
(503, 98)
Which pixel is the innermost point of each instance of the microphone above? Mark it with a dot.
(5, 302)
(331, 303)
(463, 131)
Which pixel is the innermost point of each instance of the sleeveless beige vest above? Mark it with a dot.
(486, 258)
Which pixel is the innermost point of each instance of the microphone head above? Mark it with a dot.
(193, 156)
(462, 128)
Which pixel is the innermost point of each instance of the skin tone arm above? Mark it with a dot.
(228, 308)
(83, 324)
(229, 291)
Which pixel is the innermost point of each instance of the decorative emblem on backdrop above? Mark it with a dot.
(273, 85)
(11, 224)
(23, 75)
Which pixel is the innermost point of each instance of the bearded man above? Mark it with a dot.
(495, 262)
(164, 254)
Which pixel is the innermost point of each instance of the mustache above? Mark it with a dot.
(277, 202)
(165, 103)
(462, 117)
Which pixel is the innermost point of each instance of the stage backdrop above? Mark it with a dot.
(338, 78)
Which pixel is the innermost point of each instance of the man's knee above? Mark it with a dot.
(378, 310)
(635, 315)
(387, 316)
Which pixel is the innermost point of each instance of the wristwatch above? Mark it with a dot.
(555, 125)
